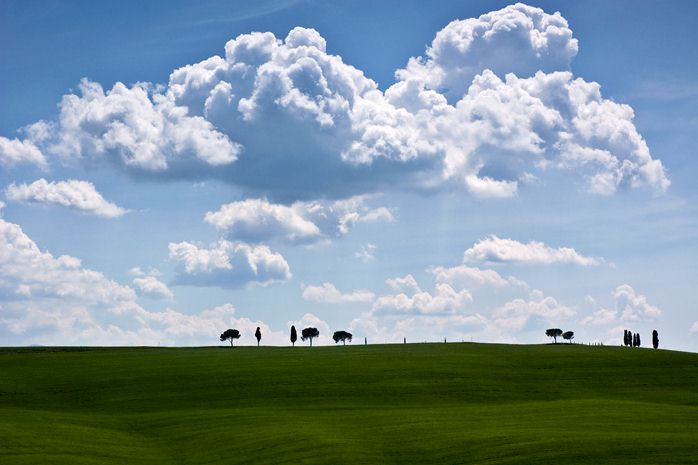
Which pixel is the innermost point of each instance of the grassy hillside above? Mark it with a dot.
(401, 404)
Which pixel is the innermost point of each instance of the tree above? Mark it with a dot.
(258, 335)
(554, 333)
(568, 335)
(655, 339)
(637, 336)
(626, 337)
(294, 335)
(341, 336)
(309, 333)
(230, 334)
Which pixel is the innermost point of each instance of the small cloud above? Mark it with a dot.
(498, 250)
(366, 253)
(150, 286)
(77, 195)
(328, 293)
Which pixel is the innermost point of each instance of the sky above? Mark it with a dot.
(475, 171)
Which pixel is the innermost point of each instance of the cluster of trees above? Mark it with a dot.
(307, 334)
(557, 332)
(631, 339)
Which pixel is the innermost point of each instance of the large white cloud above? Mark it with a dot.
(137, 128)
(227, 264)
(257, 220)
(517, 39)
(497, 250)
(492, 102)
(78, 195)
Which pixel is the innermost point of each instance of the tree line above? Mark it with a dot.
(630, 339)
(307, 334)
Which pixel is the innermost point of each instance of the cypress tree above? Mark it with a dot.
(294, 336)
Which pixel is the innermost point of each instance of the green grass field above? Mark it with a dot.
(401, 404)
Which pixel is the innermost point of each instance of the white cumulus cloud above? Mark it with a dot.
(78, 195)
(328, 293)
(497, 250)
(515, 314)
(466, 276)
(151, 286)
(517, 39)
(492, 101)
(227, 264)
(444, 299)
(258, 220)
(15, 151)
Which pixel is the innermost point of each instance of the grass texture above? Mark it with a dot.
(456, 403)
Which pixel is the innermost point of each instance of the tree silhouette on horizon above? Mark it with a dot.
(258, 335)
(568, 336)
(655, 339)
(341, 336)
(554, 333)
(230, 334)
(309, 333)
(294, 335)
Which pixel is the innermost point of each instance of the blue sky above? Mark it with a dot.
(469, 170)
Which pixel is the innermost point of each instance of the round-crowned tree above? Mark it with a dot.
(568, 336)
(309, 334)
(230, 335)
(341, 336)
(554, 333)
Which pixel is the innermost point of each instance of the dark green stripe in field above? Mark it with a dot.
(398, 404)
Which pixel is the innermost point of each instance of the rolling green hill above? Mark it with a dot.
(401, 404)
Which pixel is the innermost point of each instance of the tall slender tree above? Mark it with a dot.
(294, 335)
(258, 335)
(655, 339)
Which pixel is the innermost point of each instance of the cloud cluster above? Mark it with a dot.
(492, 102)
(258, 220)
(55, 300)
(227, 264)
(78, 195)
(27, 273)
(497, 250)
